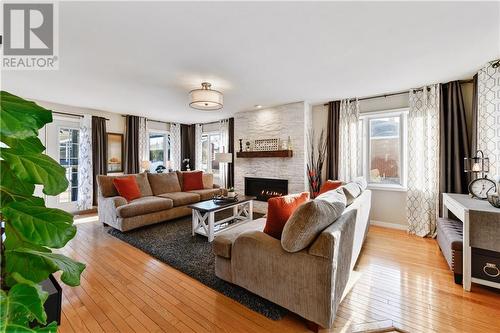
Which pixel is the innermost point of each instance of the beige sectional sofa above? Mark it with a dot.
(311, 281)
(161, 199)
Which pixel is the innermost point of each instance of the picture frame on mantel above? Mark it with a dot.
(115, 152)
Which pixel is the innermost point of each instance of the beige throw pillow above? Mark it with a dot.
(164, 182)
(310, 219)
(208, 180)
(351, 191)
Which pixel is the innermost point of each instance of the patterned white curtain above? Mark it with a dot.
(350, 137)
(175, 146)
(198, 146)
(423, 161)
(85, 189)
(143, 140)
(488, 116)
(224, 135)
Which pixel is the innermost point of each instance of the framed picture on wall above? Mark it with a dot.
(115, 152)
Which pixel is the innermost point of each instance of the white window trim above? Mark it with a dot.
(160, 131)
(365, 117)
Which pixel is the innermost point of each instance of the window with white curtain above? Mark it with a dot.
(159, 149)
(384, 148)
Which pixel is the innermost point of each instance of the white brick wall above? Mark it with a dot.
(277, 122)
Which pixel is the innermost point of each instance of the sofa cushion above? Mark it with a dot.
(310, 219)
(192, 181)
(127, 187)
(330, 185)
(279, 210)
(223, 242)
(108, 189)
(351, 191)
(182, 198)
(361, 181)
(144, 205)
(207, 194)
(208, 180)
(164, 182)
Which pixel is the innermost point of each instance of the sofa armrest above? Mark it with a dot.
(106, 209)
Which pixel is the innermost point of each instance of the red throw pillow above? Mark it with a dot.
(330, 185)
(127, 187)
(279, 210)
(192, 181)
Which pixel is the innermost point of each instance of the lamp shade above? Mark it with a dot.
(223, 157)
(206, 98)
(145, 165)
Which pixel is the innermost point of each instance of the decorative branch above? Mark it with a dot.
(316, 160)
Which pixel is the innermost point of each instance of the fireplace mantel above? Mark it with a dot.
(273, 153)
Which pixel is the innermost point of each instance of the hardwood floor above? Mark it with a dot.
(401, 279)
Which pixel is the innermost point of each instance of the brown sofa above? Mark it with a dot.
(161, 199)
(310, 279)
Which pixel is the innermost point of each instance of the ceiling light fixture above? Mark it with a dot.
(205, 98)
(258, 106)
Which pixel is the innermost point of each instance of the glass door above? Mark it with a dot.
(62, 140)
(211, 144)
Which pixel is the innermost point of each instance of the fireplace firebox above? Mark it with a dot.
(265, 188)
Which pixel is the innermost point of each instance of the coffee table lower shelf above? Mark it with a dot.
(204, 221)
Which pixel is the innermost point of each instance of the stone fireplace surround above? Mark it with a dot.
(282, 121)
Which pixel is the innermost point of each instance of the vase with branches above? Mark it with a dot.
(315, 162)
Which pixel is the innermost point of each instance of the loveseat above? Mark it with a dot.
(309, 282)
(161, 199)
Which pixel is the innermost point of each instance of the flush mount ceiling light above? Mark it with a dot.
(206, 98)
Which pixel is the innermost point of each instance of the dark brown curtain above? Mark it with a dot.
(132, 145)
(188, 134)
(99, 152)
(473, 146)
(230, 166)
(332, 137)
(454, 139)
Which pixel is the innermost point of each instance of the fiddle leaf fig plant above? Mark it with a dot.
(29, 229)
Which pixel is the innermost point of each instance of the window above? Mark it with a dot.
(384, 146)
(210, 144)
(68, 158)
(159, 150)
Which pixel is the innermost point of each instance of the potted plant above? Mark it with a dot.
(231, 193)
(29, 229)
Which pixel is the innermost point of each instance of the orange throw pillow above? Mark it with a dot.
(127, 187)
(192, 181)
(330, 185)
(279, 210)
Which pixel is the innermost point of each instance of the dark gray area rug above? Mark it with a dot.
(172, 243)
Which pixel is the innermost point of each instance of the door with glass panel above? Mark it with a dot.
(211, 144)
(62, 138)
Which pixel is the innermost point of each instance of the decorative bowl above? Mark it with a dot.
(494, 200)
(222, 199)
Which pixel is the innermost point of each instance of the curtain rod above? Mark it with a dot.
(397, 93)
(156, 121)
(71, 114)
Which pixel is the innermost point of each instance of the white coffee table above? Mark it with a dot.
(204, 216)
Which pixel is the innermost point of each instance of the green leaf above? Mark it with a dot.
(28, 145)
(37, 169)
(40, 225)
(37, 265)
(22, 304)
(20, 118)
(13, 189)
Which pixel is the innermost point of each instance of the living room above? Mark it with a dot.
(250, 166)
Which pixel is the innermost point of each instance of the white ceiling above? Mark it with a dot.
(143, 58)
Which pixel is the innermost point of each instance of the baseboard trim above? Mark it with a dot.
(388, 225)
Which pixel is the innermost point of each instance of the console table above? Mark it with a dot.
(481, 229)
